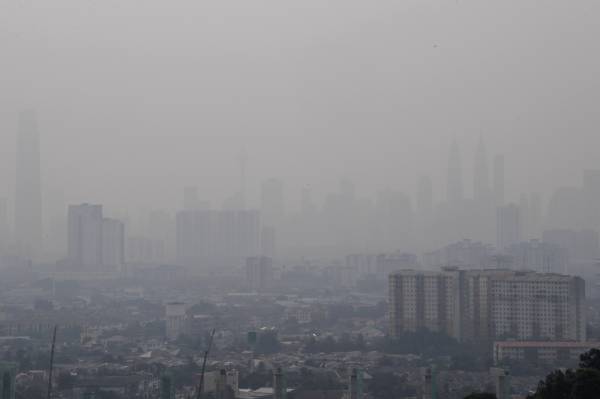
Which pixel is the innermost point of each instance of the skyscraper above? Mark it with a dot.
(508, 223)
(454, 186)
(499, 180)
(28, 191)
(481, 183)
(85, 236)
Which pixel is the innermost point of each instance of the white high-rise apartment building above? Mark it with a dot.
(486, 305)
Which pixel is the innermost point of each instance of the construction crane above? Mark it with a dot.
(206, 352)
(51, 363)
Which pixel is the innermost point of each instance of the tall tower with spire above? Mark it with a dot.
(481, 182)
(28, 190)
(454, 188)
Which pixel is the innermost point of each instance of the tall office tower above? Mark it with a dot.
(4, 230)
(28, 192)
(454, 186)
(499, 180)
(113, 245)
(259, 272)
(424, 198)
(85, 236)
(481, 180)
(485, 305)
(430, 300)
(272, 206)
(508, 226)
(591, 198)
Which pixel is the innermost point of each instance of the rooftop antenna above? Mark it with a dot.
(206, 352)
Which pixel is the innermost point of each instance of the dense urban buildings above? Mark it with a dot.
(487, 305)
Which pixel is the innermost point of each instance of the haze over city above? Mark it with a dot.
(299, 199)
(312, 91)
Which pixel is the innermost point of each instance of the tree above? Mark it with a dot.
(590, 359)
(481, 395)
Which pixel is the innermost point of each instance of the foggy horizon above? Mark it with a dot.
(278, 199)
(135, 103)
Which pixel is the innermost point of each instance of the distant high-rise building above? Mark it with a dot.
(145, 250)
(272, 205)
(95, 243)
(176, 319)
(454, 186)
(113, 245)
(508, 224)
(481, 180)
(28, 192)
(499, 180)
(85, 236)
(259, 272)
(426, 300)
(209, 238)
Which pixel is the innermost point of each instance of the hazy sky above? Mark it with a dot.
(138, 98)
